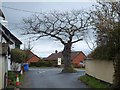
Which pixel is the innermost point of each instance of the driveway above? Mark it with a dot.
(52, 78)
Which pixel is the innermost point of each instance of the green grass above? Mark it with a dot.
(12, 76)
(93, 83)
(68, 70)
(21, 78)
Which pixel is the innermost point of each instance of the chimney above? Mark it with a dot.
(56, 51)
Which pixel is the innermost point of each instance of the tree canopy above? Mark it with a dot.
(63, 26)
(18, 55)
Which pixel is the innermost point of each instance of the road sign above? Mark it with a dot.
(59, 61)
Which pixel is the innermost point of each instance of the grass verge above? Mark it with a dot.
(12, 79)
(93, 82)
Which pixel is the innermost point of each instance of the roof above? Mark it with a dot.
(30, 55)
(55, 56)
(33, 59)
(2, 14)
(4, 48)
(80, 57)
(7, 37)
(8, 33)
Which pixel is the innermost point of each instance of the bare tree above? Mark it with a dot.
(90, 42)
(103, 18)
(66, 27)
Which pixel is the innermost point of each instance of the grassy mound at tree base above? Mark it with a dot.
(69, 70)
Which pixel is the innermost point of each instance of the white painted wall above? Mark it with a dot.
(3, 59)
(3, 64)
(8, 58)
(9, 63)
(12, 46)
(3, 69)
(100, 69)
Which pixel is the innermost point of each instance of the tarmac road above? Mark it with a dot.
(52, 78)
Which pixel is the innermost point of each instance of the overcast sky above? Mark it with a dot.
(16, 11)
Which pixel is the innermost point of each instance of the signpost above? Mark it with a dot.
(59, 61)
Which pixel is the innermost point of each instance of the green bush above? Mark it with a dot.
(103, 53)
(111, 48)
(42, 64)
(18, 55)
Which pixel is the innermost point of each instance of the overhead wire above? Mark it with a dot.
(20, 9)
(23, 10)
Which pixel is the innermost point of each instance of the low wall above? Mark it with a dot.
(100, 69)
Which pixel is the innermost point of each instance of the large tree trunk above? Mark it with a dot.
(67, 59)
(116, 81)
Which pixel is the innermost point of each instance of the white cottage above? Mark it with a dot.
(15, 42)
(4, 54)
(7, 42)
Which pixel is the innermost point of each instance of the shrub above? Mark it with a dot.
(42, 64)
(112, 46)
(102, 52)
(18, 55)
